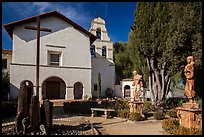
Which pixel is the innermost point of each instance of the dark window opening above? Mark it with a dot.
(54, 59)
(95, 87)
(104, 51)
(92, 49)
(98, 33)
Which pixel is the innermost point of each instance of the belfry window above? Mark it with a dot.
(92, 50)
(104, 51)
(98, 33)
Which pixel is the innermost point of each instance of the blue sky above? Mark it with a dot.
(119, 16)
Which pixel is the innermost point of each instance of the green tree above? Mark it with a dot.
(99, 85)
(123, 64)
(163, 35)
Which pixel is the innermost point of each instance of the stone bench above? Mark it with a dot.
(106, 112)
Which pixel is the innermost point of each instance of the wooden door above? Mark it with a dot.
(127, 93)
(53, 90)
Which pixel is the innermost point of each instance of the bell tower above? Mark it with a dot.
(103, 45)
(102, 59)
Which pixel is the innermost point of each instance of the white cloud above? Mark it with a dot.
(43, 6)
(80, 12)
(73, 11)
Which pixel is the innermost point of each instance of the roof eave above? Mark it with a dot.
(10, 26)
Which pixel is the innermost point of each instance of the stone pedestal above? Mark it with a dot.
(190, 116)
(137, 106)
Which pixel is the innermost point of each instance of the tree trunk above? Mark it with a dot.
(158, 82)
(150, 81)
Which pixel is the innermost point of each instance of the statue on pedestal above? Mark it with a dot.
(189, 73)
(137, 83)
(190, 115)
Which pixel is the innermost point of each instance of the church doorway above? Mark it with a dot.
(53, 88)
(127, 91)
(78, 90)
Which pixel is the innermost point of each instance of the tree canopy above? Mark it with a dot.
(163, 35)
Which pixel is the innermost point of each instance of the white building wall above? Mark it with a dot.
(129, 83)
(107, 71)
(118, 91)
(103, 65)
(75, 42)
(76, 61)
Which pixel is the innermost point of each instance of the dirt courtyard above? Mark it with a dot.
(112, 126)
(119, 126)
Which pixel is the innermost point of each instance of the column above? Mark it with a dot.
(69, 93)
(83, 95)
(40, 93)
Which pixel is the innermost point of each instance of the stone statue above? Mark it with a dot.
(137, 83)
(189, 73)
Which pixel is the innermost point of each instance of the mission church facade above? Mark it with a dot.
(70, 57)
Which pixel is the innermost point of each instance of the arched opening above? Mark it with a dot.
(53, 88)
(78, 90)
(92, 49)
(98, 33)
(24, 98)
(127, 91)
(104, 51)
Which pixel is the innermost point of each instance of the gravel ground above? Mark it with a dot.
(61, 126)
(75, 124)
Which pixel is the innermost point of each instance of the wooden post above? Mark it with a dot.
(34, 113)
(38, 29)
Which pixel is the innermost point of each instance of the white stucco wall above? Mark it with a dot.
(76, 61)
(107, 71)
(129, 83)
(99, 23)
(118, 91)
(103, 65)
(75, 42)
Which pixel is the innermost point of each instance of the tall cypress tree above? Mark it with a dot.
(163, 35)
(99, 85)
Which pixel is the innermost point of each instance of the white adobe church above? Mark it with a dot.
(70, 57)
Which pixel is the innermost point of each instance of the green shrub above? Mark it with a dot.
(172, 113)
(9, 109)
(147, 106)
(136, 116)
(172, 126)
(123, 113)
(159, 115)
(148, 114)
(120, 105)
(200, 103)
(86, 105)
(174, 102)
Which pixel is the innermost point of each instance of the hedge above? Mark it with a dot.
(172, 126)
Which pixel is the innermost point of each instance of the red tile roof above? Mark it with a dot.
(10, 26)
(6, 51)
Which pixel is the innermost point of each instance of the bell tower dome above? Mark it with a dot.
(103, 45)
